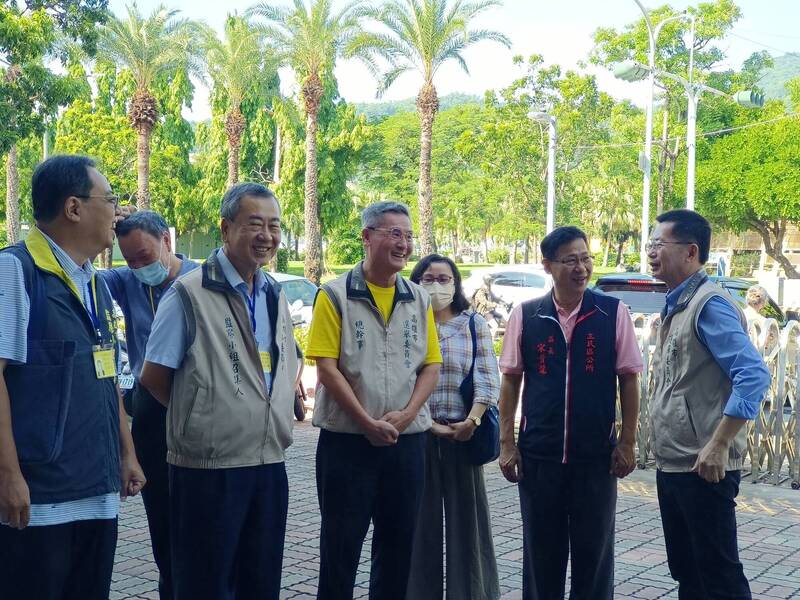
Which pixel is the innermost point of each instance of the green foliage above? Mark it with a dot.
(498, 256)
(29, 36)
(378, 111)
(301, 337)
(282, 261)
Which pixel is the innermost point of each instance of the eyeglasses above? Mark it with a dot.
(659, 244)
(572, 261)
(431, 279)
(396, 233)
(112, 199)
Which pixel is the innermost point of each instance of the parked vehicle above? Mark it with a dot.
(300, 292)
(644, 293)
(512, 284)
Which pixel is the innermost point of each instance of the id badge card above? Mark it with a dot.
(105, 364)
(266, 361)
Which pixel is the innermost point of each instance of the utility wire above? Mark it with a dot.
(703, 134)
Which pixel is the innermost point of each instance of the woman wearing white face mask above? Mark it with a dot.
(451, 483)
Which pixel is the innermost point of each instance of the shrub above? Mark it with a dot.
(283, 260)
(301, 337)
(498, 255)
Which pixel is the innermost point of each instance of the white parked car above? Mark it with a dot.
(300, 292)
(511, 283)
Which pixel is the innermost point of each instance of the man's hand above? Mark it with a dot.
(511, 462)
(442, 431)
(131, 476)
(623, 460)
(710, 463)
(462, 431)
(123, 212)
(15, 500)
(401, 419)
(382, 433)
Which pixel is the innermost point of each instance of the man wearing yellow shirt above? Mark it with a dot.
(378, 359)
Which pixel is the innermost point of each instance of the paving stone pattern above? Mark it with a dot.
(768, 517)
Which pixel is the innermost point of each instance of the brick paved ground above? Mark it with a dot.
(769, 537)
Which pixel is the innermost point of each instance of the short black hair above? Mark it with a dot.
(146, 220)
(689, 226)
(558, 237)
(460, 302)
(55, 180)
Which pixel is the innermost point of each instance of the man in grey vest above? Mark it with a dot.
(222, 358)
(146, 245)
(709, 381)
(378, 360)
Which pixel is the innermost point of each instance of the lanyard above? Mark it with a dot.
(152, 303)
(92, 308)
(251, 304)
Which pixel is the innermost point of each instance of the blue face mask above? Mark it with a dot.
(153, 274)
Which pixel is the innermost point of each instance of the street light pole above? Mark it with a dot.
(644, 159)
(551, 166)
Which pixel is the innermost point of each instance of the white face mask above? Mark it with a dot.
(441, 295)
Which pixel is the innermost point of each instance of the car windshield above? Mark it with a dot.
(299, 289)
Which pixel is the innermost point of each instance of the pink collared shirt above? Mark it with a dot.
(629, 356)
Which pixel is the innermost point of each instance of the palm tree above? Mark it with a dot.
(236, 65)
(12, 196)
(309, 39)
(148, 48)
(425, 34)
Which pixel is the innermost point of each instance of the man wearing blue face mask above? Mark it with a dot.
(145, 243)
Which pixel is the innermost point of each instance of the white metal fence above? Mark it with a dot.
(773, 438)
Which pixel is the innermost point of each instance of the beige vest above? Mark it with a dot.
(379, 360)
(219, 414)
(689, 389)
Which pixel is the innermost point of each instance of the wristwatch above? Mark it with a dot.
(476, 420)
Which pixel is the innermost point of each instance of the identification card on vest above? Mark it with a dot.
(266, 361)
(105, 364)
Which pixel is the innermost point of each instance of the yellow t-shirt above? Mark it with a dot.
(324, 336)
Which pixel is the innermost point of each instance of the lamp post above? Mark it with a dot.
(644, 158)
(633, 71)
(542, 117)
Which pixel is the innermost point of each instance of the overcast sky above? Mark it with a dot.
(560, 30)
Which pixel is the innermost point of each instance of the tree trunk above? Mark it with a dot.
(312, 95)
(620, 245)
(276, 166)
(427, 105)
(143, 169)
(485, 247)
(662, 167)
(233, 163)
(608, 247)
(297, 247)
(772, 234)
(527, 249)
(12, 196)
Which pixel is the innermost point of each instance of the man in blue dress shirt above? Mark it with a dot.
(145, 243)
(709, 381)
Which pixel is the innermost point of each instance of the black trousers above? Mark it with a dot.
(567, 509)
(228, 528)
(358, 483)
(699, 520)
(149, 431)
(72, 561)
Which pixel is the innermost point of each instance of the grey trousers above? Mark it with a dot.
(457, 489)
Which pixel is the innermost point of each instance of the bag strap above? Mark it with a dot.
(470, 375)
(34, 286)
(473, 334)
